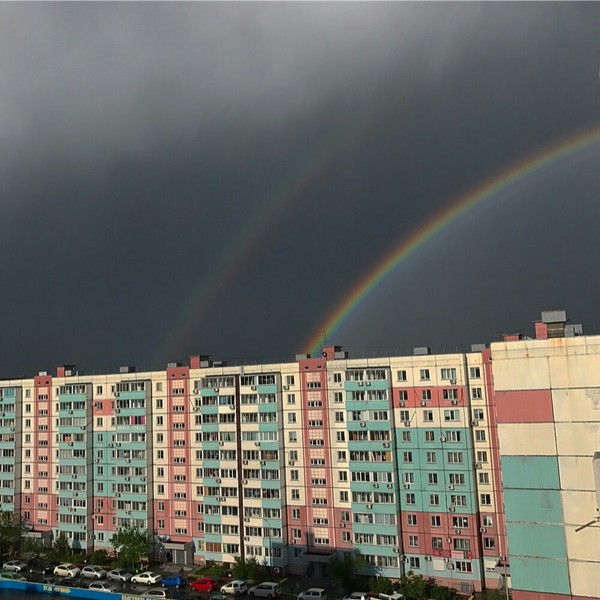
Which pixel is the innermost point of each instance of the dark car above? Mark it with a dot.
(174, 581)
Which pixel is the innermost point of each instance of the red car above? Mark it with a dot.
(204, 584)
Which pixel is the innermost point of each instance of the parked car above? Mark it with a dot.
(148, 577)
(15, 565)
(104, 586)
(266, 589)
(204, 584)
(357, 596)
(235, 587)
(313, 594)
(93, 572)
(14, 575)
(120, 575)
(157, 593)
(174, 581)
(66, 570)
(394, 596)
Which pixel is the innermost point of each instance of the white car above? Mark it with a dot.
(93, 572)
(313, 594)
(15, 565)
(148, 577)
(101, 586)
(235, 587)
(357, 596)
(267, 589)
(66, 570)
(157, 593)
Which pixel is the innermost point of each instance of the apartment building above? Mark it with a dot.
(463, 467)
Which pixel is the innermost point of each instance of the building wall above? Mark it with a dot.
(547, 395)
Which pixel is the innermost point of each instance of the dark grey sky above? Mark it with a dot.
(215, 177)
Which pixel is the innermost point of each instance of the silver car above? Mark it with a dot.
(15, 565)
(120, 575)
(93, 572)
(102, 586)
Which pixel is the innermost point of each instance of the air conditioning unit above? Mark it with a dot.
(263, 462)
(70, 412)
(482, 529)
(359, 384)
(396, 550)
(247, 538)
(117, 495)
(252, 387)
(196, 409)
(406, 486)
(70, 443)
(232, 407)
(457, 531)
(478, 465)
(96, 460)
(423, 403)
(363, 424)
(218, 480)
(405, 558)
(453, 382)
(127, 478)
(257, 444)
(286, 387)
(343, 525)
(117, 394)
(197, 391)
(142, 478)
(215, 389)
(451, 509)
(369, 506)
(245, 482)
(442, 439)
(110, 445)
(375, 485)
(451, 487)
(82, 428)
(118, 444)
(127, 460)
(406, 423)
(247, 519)
(474, 423)
(244, 462)
(449, 566)
(221, 443)
(427, 557)
(401, 404)
(448, 540)
(454, 402)
(390, 486)
(291, 463)
(367, 383)
(386, 444)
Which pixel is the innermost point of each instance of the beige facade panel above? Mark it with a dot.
(527, 439)
(584, 578)
(578, 439)
(521, 373)
(578, 508)
(576, 404)
(576, 473)
(575, 370)
(584, 544)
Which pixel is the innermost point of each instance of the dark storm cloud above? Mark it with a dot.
(139, 139)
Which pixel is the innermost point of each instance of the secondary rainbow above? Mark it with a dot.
(406, 247)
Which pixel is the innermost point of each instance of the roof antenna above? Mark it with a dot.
(596, 467)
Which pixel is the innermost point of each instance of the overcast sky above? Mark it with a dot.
(214, 178)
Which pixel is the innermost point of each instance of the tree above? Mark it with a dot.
(381, 585)
(414, 586)
(131, 545)
(249, 569)
(10, 532)
(346, 570)
(61, 550)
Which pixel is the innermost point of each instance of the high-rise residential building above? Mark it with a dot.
(467, 467)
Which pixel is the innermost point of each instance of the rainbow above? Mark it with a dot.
(406, 247)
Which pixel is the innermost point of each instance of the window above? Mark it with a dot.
(449, 373)
(461, 544)
(436, 521)
(430, 436)
(292, 436)
(451, 394)
(341, 456)
(291, 417)
(428, 416)
(411, 519)
(403, 395)
(463, 566)
(342, 475)
(489, 543)
(401, 375)
(424, 375)
(291, 398)
(415, 562)
(339, 417)
(294, 475)
(434, 499)
(478, 414)
(455, 457)
(433, 478)
(413, 541)
(159, 421)
(295, 494)
(341, 436)
(451, 415)
(475, 372)
(487, 521)
(480, 435)
(337, 378)
(407, 457)
(482, 456)
(485, 499)
(426, 394)
(476, 394)
(295, 513)
(437, 543)
(159, 386)
(484, 478)
(460, 522)
(411, 499)
(290, 380)
(404, 415)
(338, 397)
(431, 457)
(406, 437)
(343, 496)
